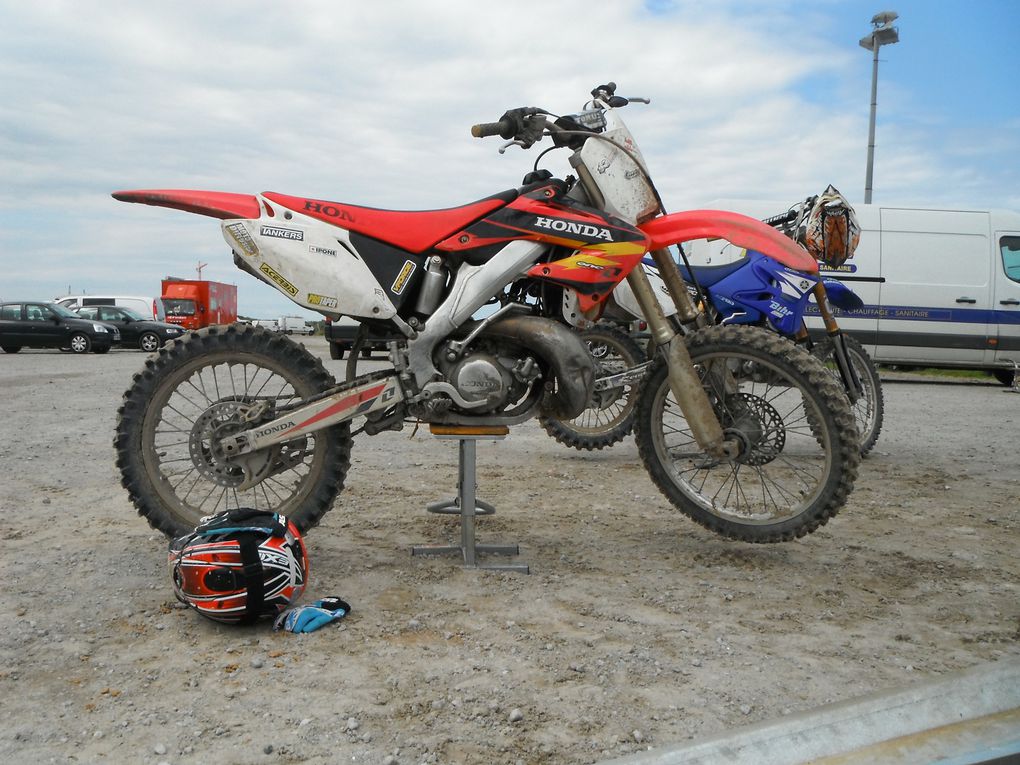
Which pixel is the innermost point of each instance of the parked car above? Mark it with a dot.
(135, 331)
(341, 333)
(149, 307)
(48, 325)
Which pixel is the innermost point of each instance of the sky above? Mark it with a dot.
(371, 104)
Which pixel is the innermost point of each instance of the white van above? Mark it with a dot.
(146, 307)
(941, 288)
(294, 325)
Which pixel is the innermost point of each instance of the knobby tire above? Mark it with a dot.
(590, 430)
(800, 417)
(166, 387)
(869, 409)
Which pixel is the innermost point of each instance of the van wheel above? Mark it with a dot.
(11, 348)
(335, 351)
(1005, 376)
(148, 342)
(80, 342)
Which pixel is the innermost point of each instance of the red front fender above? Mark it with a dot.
(215, 204)
(741, 230)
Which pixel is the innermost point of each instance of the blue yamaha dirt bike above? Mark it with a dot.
(755, 290)
(760, 291)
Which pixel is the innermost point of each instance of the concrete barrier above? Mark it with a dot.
(965, 718)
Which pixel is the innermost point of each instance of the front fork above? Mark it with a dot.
(847, 373)
(683, 378)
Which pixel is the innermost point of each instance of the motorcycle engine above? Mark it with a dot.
(497, 379)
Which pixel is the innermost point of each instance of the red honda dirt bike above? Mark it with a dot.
(741, 430)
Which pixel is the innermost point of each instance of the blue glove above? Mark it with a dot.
(313, 616)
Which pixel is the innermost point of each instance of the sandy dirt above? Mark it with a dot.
(636, 628)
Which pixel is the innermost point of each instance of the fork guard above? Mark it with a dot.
(741, 230)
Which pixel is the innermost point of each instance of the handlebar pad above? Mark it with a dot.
(486, 129)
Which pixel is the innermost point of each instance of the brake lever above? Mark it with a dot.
(515, 142)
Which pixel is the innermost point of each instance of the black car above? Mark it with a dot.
(135, 331)
(341, 334)
(48, 325)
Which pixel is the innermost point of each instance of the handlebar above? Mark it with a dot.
(502, 128)
(525, 126)
(777, 221)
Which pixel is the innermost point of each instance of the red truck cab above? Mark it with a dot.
(193, 303)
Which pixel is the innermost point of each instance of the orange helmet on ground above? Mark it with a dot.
(239, 565)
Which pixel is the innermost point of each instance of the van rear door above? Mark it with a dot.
(1007, 298)
(937, 289)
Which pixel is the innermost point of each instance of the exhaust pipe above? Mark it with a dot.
(563, 351)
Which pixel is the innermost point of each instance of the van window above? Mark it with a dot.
(1010, 248)
(11, 312)
(97, 301)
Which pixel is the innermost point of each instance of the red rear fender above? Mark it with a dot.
(739, 229)
(215, 204)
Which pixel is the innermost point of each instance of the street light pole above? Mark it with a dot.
(883, 34)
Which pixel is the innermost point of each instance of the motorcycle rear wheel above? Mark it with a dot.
(610, 418)
(800, 450)
(869, 409)
(196, 390)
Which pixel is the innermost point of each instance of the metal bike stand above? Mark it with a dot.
(467, 505)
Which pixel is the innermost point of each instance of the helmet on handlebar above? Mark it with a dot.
(829, 230)
(239, 565)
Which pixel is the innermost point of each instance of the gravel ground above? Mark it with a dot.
(635, 629)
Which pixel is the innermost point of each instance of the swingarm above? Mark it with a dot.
(361, 399)
(631, 376)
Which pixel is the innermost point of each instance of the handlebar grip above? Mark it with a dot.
(486, 129)
(783, 218)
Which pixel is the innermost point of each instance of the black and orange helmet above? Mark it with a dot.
(239, 565)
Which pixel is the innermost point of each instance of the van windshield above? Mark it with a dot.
(1010, 246)
(177, 307)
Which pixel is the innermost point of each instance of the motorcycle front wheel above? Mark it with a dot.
(610, 417)
(211, 384)
(799, 449)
